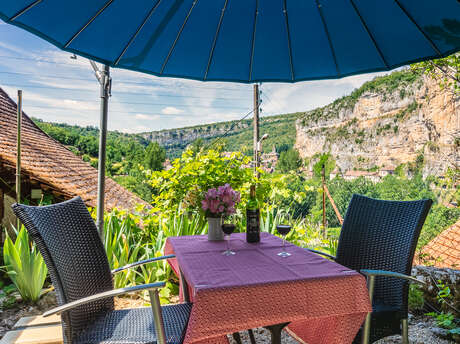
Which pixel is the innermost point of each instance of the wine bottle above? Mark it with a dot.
(252, 218)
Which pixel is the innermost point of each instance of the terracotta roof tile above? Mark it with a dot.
(444, 250)
(45, 159)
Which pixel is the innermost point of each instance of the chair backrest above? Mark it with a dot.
(69, 242)
(382, 235)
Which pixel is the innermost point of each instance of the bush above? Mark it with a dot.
(24, 265)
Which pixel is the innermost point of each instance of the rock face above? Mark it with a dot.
(389, 121)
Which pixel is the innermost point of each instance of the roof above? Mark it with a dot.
(48, 161)
(352, 173)
(444, 250)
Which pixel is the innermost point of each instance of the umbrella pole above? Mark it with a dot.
(105, 81)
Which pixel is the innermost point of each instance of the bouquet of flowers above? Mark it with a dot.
(221, 201)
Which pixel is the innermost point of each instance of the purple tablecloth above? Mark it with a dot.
(301, 287)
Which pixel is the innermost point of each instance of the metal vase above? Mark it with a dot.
(215, 232)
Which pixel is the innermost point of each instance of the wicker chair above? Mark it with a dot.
(378, 239)
(69, 242)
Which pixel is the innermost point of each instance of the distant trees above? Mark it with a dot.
(289, 160)
(155, 156)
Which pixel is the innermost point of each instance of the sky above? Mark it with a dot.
(60, 89)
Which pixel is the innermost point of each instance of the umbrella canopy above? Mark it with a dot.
(245, 40)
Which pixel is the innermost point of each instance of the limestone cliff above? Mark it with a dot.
(389, 121)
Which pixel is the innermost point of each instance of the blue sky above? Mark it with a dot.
(60, 89)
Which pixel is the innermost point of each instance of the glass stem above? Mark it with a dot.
(228, 242)
(284, 244)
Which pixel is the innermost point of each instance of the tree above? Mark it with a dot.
(445, 70)
(329, 164)
(289, 161)
(155, 156)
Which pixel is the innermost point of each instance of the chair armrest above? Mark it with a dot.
(106, 294)
(142, 262)
(321, 253)
(385, 273)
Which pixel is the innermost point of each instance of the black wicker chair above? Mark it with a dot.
(378, 239)
(69, 242)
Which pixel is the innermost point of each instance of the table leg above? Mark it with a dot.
(184, 287)
(275, 331)
(237, 337)
(251, 336)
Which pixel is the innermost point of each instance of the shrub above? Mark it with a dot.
(24, 265)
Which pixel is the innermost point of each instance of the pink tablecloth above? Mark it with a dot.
(323, 301)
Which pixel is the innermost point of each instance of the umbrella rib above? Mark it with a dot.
(328, 37)
(253, 43)
(211, 54)
(435, 48)
(24, 10)
(89, 22)
(137, 32)
(289, 39)
(177, 37)
(370, 34)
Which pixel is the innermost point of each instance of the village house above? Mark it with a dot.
(269, 160)
(372, 176)
(48, 168)
(387, 170)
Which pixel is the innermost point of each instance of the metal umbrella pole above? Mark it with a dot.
(103, 76)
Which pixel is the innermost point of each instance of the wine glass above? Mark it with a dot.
(228, 229)
(283, 230)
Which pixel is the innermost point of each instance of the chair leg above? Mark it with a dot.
(275, 331)
(405, 331)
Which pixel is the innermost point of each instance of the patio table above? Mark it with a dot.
(324, 302)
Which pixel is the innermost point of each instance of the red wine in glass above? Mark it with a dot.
(228, 229)
(283, 230)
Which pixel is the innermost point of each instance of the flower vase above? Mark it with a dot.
(215, 229)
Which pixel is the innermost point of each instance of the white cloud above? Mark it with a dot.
(142, 116)
(171, 110)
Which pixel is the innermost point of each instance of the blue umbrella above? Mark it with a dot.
(245, 40)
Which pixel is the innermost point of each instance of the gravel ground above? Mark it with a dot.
(421, 328)
(420, 332)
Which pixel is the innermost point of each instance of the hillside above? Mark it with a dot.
(237, 134)
(389, 121)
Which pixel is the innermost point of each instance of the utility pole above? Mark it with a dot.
(323, 178)
(256, 127)
(103, 76)
(18, 153)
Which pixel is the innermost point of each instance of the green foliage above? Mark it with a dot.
(328, 161)
(446, 320)
(446, 70)
(155, 156)
(24, 265)
(289, 161)
(193, 174)
(416, 300)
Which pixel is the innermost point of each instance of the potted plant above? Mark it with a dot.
(217, 204)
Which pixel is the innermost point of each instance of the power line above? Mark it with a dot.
(95, 109)
(228, 130)
(116, 92)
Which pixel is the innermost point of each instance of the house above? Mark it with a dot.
(372, 176)
(269, 160)
(48, 168)
(385, 171)
(334, 173)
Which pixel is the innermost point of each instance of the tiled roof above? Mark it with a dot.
(46, 160)
(444, 250)
(352, 173)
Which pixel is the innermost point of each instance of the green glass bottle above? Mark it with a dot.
(252, 218)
